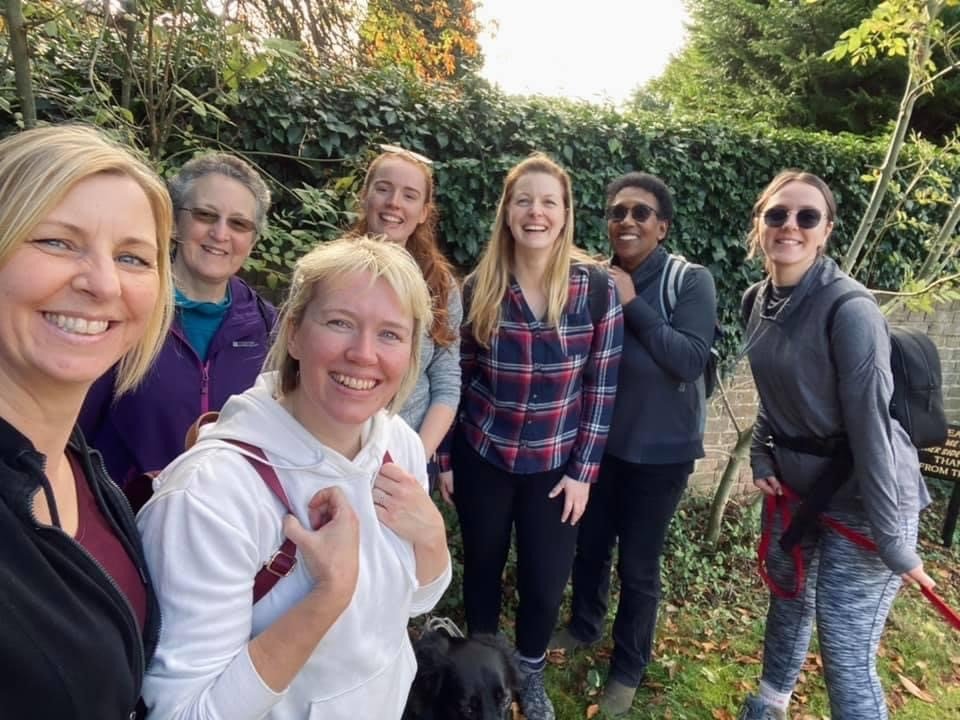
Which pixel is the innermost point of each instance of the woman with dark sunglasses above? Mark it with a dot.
(824, 414)
(655, 435)
(220, 334)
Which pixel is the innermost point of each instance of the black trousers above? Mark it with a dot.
(635, 504)
(490, 502)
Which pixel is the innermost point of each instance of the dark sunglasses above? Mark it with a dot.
(640, 212)
(209, 217)
(807, 218)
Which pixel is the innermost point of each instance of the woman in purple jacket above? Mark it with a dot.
(221, 329)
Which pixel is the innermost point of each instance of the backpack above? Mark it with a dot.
(284, 560)
(917, 402)
(671, 280)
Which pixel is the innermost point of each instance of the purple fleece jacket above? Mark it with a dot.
(144, 429)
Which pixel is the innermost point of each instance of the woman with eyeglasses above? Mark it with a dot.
(85, 281)
(221, 328)
(397, 202)
(656, 434)
(824, 414)
(540, 352)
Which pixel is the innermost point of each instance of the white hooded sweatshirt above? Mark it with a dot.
(212, 524)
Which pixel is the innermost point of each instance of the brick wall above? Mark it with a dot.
(943, 327)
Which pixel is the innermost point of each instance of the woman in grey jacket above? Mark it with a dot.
(397, 201)
(655, 435)
(819, 392)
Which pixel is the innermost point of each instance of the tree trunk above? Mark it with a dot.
(130, 43)
(730, 474)
(911, 92)
(21, 62)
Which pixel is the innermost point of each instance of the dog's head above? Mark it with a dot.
(472, 678)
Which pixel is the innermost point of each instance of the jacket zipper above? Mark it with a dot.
(204, 371)
(204, 387)
(41, 527)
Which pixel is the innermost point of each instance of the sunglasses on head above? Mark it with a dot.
(807, 218)
(209, 217)
(409, 154)
(640, 212)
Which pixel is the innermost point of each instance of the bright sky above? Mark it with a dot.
(591, 50)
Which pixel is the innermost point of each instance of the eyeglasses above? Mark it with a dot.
(640, 212)
(409, 154)
(807, 218)
(209, 217)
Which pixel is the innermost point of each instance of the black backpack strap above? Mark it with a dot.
(747, 303)
(598, 297)
(466, 295)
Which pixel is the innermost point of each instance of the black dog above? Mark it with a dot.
(459, 677)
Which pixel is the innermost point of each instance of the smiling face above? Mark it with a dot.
(78, 293)
(354, 345)
(633, 241)
(396, 198)
(210, 251)
(790, 249)
(536, 212)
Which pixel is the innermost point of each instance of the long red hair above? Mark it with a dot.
(422, 245)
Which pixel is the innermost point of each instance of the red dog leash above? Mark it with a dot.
(781, 503)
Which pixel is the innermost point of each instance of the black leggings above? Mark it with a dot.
(489, 502)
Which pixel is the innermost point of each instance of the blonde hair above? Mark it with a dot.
(783, 178)
(39, 167)
(491, 278)
(324, 266)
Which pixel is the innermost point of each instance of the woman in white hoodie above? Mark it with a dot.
(329, 639)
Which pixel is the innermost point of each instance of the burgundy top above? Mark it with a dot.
(96, 536)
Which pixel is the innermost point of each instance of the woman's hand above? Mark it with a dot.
(625, 290)
(575, 496)
(919, 577)
(405, 507)
(331, 550)
(446, 486)
(768, 485)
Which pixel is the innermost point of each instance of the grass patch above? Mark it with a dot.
(710, 633)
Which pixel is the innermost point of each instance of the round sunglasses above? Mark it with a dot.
(640, 212)
(807, 218)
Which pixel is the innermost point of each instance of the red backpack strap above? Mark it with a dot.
(772, 504)
(284, 560)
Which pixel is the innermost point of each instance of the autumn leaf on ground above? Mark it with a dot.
(722, 714)
(592, 711)
(911, 688)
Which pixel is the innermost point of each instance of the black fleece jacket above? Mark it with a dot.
(70, 647)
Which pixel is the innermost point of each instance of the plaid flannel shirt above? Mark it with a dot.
(541, 397)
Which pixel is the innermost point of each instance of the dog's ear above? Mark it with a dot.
(432, 666)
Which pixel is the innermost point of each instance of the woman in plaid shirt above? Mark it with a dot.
(539, 379)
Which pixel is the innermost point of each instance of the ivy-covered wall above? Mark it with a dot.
(318, 138)
(313, 135)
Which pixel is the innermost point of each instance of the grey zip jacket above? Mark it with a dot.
(814, 386)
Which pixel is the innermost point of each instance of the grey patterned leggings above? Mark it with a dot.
(850, 591)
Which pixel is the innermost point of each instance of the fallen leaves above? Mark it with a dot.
(911, 687)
